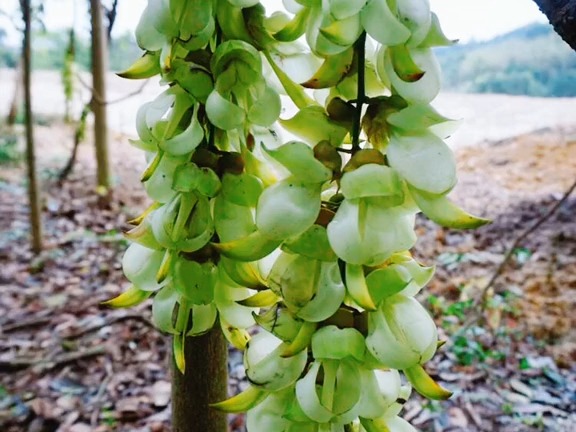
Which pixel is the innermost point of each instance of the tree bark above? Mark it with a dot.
(99, 67)
(33, 193)
(562, 16)
(205, 382)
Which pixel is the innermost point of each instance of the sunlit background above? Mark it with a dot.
(511, 81)
(462, 19)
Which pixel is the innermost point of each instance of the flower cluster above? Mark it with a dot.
(309, 239)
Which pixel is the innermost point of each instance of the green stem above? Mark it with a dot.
(361, 91)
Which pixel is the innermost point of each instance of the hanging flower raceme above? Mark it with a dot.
(309, 239)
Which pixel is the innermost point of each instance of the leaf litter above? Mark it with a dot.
(69, 364)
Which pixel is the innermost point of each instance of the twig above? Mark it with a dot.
(480, 300)
(78, 138)
(27, 322)
(98, 400)
(127, 96)
(361, 92)
(24, 363)
(97, 99)
(111, 319)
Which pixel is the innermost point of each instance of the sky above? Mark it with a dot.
(461, 19)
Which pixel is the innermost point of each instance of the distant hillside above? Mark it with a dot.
(531, 60)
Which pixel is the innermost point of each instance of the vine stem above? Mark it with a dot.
(360, 49)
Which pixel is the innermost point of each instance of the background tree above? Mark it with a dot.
(33, 193)
(99, 67)
(561, 14)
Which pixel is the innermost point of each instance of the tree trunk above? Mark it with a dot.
(33, 194)
(205, 382)
(99, 67)
(562, 16)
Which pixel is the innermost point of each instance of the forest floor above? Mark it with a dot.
(69, 364)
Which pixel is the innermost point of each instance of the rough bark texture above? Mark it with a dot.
(33, 193)
(205, 382)
(562, 16)
(99, 67)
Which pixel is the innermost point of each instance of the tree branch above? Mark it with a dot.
(480, 301)
(562, 16)
(16, 364)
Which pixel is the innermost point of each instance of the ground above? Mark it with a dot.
(69, 364)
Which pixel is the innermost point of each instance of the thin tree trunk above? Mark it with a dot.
(17, 96)
(33, 193)
(205, 381)
(562, 16)
(99, 67)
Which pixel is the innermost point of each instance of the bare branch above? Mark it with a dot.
(480, 300)
(562, 16)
